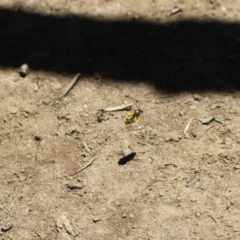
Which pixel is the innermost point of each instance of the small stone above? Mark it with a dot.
(193, 200)
(229, 224)
(96, 219)
(176, 139)
(197, 97)
(237, 167)
(74, 186)
(181, 113)
(206, 120)
(151, 160)
(198, 214)
(124, 215)
(68, 117)
(168, 139)
(46, 101)
(13, 110)
(24, 70)
(6, 228)
(192, 182)
(65, 113)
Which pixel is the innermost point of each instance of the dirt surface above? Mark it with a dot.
(166, 176)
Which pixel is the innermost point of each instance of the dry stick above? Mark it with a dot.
(212, 218)
(208, 128)
(121, 107)
(87, 165)
(218, 120)
(188, 125)
(176, 10)
(72, 83)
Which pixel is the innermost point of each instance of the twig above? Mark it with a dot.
(170, 164)
(218, 120)
(188, 125)
(72, 83)
(87, 165)
(121, 107)
(208, 128)
(176, 10)
(212, 218)
(87, 148)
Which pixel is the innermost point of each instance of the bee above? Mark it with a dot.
(133, 116)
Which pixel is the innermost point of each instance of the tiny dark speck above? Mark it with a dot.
(37, 138)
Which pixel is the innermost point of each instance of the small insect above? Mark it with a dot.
(133, 116)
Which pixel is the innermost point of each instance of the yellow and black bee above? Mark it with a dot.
(133, 116)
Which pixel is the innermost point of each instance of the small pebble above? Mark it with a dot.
(74, 186)
(229, 224)
(206, 120)
(65, 113)
(6, 228)
(151, 160)
(191, 182)
(237, 167)
(13, 110)
(96, 219)
(24, 70)
(46, 101)
(176, 139)
(181, 113)
(124, 215)
(197, 97)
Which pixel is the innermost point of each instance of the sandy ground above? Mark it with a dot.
(173, 174)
